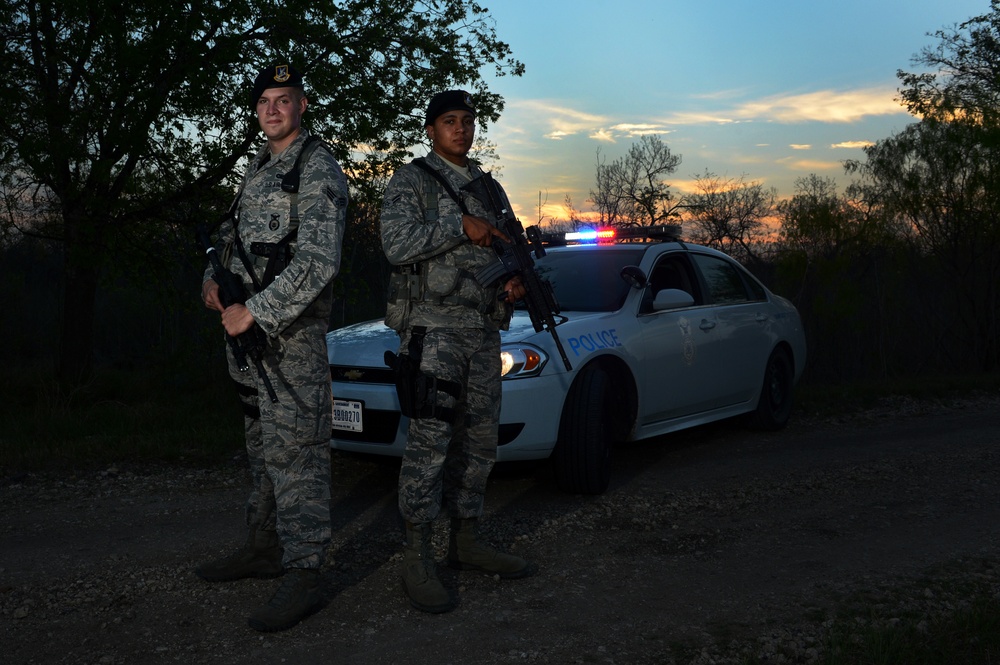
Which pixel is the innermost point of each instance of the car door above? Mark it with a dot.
(675, 372)
(735, 327)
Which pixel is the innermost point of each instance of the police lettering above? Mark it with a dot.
(601, 339)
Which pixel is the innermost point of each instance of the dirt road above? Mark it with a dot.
(709, 544)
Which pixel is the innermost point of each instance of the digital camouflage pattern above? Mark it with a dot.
(445, 466)
(288, 442)
(449, 256)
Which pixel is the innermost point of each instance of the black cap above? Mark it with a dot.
(450, 100)
(275, 76)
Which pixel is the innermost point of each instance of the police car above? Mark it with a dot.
(659, 335)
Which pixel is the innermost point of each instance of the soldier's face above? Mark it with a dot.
(451, 135)
(279, 112)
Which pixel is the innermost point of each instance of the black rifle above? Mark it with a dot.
(515, 259)
(253, 342)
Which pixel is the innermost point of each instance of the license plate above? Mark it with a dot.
(347, 415)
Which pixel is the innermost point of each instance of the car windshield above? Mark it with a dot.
(586, 279)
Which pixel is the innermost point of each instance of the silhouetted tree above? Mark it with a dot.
(731, 215)
(631, 189)
(125, 119)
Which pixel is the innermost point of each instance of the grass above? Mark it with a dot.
(119, 416)
(949, 617)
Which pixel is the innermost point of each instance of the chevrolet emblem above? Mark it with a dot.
(353, 374)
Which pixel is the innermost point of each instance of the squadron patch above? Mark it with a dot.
(281, 73)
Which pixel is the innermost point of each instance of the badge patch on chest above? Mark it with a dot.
(275, 222)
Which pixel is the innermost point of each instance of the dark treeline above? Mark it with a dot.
(142, 133)
(871, 312)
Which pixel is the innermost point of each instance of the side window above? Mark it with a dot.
(725, 286)
(755, 288)
(672, 271)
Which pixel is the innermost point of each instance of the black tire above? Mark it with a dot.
(775, 404)
(582, 457)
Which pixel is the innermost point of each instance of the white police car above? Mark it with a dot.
(661, 335)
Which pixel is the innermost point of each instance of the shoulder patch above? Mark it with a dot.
(335, 198)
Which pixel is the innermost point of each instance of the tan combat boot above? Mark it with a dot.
(259, 557)
(420, 580)
(467, 552)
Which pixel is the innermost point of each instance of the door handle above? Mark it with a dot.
(706, 324)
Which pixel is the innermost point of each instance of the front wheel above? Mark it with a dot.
(582, 457)
(775, 404)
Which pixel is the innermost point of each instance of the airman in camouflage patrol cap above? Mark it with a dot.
(287, 441)
(455, 322)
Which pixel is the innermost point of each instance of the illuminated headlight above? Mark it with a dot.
(518, 362)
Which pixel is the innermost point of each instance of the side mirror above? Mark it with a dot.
(634, 276)
(671, 299)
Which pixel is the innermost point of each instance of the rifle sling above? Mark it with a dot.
(420, 162)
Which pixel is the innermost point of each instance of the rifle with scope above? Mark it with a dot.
(516, 259)
(250, 344)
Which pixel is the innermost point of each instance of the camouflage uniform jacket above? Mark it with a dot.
(301, 294)
(414, 232)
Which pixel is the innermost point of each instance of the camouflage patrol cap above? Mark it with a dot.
(275, 76)
(449, 100)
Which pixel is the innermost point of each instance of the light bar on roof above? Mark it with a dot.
(610, 234)
(591, 235)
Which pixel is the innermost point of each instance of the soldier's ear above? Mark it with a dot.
(430, 132)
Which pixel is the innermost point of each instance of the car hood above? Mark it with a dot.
(365, 344)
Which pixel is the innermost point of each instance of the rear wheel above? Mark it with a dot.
(582, 457)
(775, 404)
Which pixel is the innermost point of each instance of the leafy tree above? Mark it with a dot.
(129, 121)
(962, 76)
(730, 215)
(938, 180)
(631, 190)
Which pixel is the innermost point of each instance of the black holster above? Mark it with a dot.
(416, 390)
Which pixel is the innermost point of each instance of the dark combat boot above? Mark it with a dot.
(259, 557)
(298, 596)
(420, 580)
(467, 552)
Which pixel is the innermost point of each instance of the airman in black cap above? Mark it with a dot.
(288, 239)
(438, 237)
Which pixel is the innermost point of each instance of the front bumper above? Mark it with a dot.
(529, 418)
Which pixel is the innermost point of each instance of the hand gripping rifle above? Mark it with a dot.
(251, 343)
(515, 259)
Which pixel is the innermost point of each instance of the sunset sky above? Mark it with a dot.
(770, 90)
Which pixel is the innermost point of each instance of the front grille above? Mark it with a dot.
(347, 374)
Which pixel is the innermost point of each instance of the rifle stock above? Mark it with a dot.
(516, 259)
(252, 343)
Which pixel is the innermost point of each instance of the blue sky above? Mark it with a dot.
(766, 90)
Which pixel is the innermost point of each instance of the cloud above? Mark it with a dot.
(813, 165)
(852, 144)
(822, 106)
(603, 135)
(641, 129)
(800, 146)
(561, 120)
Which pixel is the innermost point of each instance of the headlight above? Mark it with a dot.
(518, 362)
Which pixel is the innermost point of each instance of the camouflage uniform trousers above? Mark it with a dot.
(288, 445)
(446, 466)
